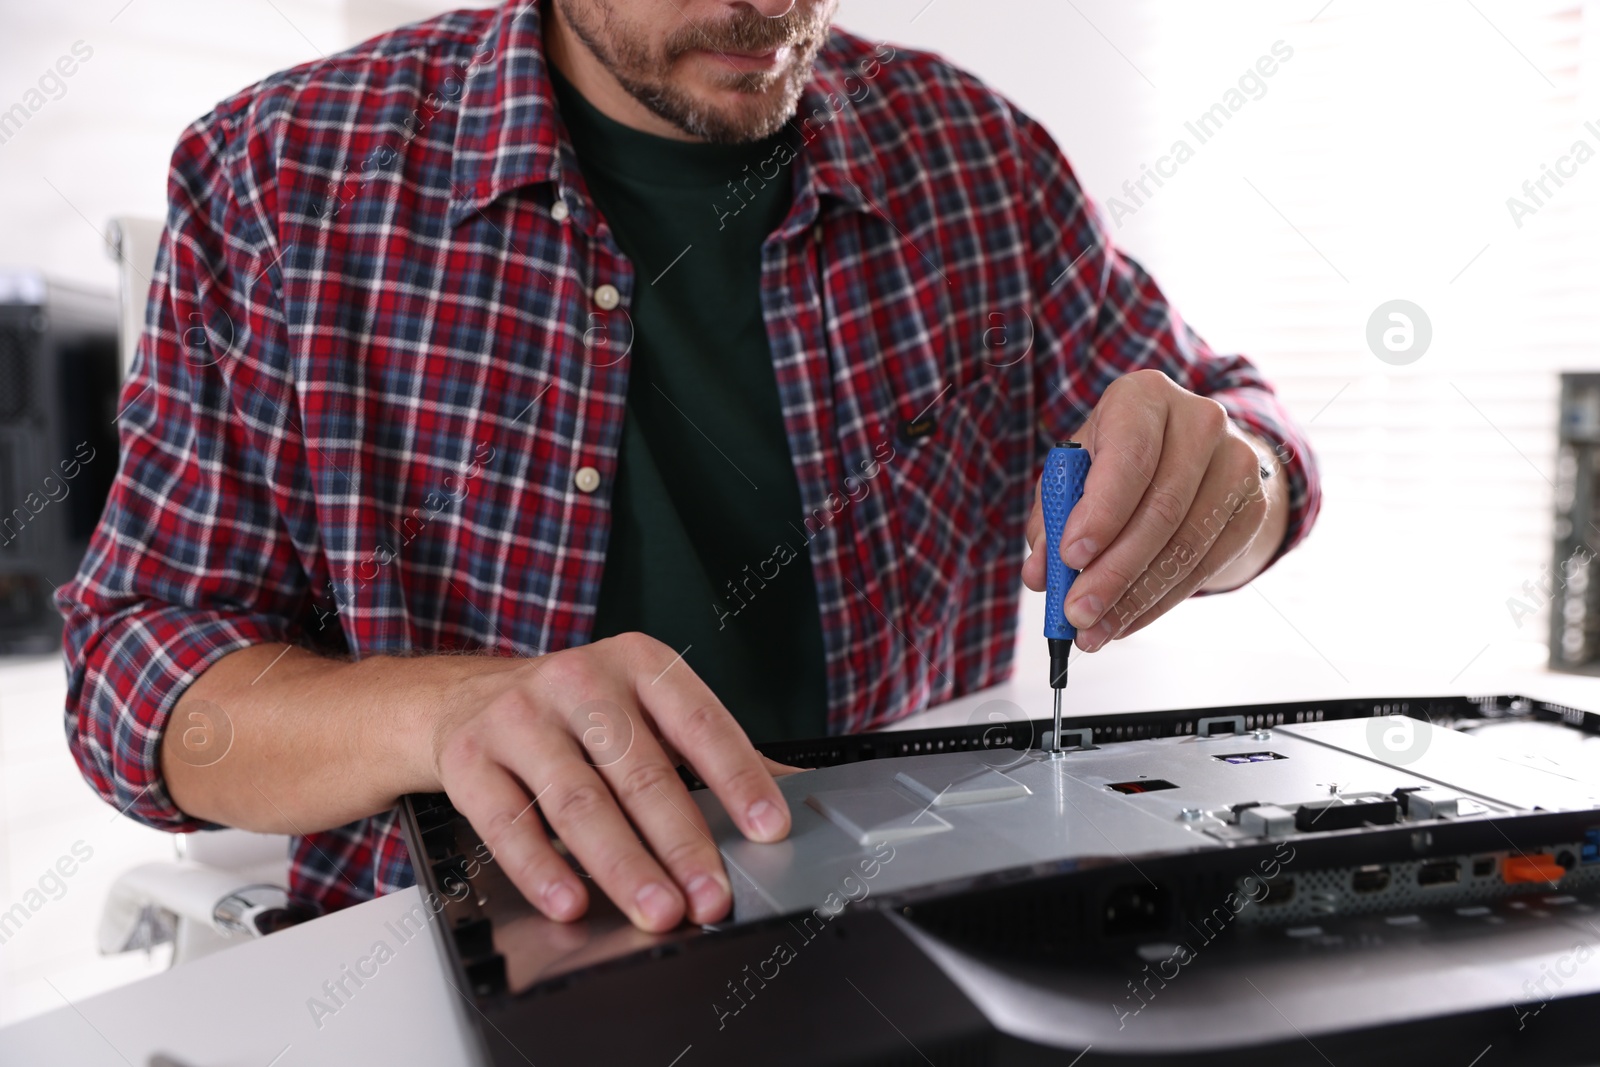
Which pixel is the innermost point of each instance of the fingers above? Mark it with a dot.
(654, 798)
(584, 814)
(1221, 523)
(1124, 438)
(1235, 540)
(1034, 575)
(502, 814)
(695, 723)
(1186, 447)
(604, 705)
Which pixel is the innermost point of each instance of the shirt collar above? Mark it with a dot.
(510, 133)
(841, 159)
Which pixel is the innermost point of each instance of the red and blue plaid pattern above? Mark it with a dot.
(379, 348)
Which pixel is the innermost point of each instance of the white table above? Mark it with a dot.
(249, 1006)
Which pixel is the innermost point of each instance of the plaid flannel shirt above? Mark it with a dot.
(388, 330)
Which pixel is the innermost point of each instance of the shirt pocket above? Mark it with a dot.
(944, 487)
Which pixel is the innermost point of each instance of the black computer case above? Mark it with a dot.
(59, 376)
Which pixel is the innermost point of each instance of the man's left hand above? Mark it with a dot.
(1175, 502)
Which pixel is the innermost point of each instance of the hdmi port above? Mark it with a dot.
(1370, 879)
(1439, 872)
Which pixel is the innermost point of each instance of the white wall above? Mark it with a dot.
(156, 66)
(1377, 166)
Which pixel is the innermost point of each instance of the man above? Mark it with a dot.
(670, 357)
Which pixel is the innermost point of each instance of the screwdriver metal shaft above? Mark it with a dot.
(1056, 744)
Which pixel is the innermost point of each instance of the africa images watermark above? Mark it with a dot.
(50, 886)
(1399, 332)
(337, 992)
(1211, 927)
(409, 528)
(1540, 591)
(784, 153)
(51, 85)
(820, 519)
(1564, 968)
(1252, 85)
(55, 490)
(1536, 192)
(1164, 573)
(343, 188)
(852, 890)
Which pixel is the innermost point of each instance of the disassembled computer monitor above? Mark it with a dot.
(1265, 884)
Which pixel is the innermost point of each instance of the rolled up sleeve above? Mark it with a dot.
(191, 559)
(1101, 316)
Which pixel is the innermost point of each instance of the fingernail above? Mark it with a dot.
(656, 904)
(707, 894)
(765, 819)
(1080, 552)
(1094, 638)
(1085, 611)
(560, 901)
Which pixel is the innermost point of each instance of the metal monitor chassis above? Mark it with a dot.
(1142, 952)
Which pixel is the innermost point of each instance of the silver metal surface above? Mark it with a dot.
(957, 786)
(871, 816)
(251, 910)
(1266, 820)
(1434, 804)
(1070, 811)
(1289, 984)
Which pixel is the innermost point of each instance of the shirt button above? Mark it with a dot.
(587, 479)
(607, 297)
(559, 211)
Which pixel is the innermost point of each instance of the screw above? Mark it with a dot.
(1191, 814)
(1263, 735)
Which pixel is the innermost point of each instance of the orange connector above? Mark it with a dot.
(1538, 867)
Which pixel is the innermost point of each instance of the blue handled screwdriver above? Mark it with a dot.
(1065, 469)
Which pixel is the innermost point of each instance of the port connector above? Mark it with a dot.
(1439, 872)
(1279, 891)
(1136, 909)
(1531, 867)
(1372, 878)
(1483, 867)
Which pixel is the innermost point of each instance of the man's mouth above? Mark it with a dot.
(749, 62)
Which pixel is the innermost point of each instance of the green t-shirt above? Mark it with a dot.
(705, 490)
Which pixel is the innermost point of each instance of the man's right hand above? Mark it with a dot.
(580, 733)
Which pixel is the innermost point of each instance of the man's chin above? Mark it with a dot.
(738, 111)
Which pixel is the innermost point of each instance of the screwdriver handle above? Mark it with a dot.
(1065, 469)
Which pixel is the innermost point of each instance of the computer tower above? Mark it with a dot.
(59, 377)
(1573, 585)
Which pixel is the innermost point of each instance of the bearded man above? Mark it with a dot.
(536, 398)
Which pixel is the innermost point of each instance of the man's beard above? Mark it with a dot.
(768, 98)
